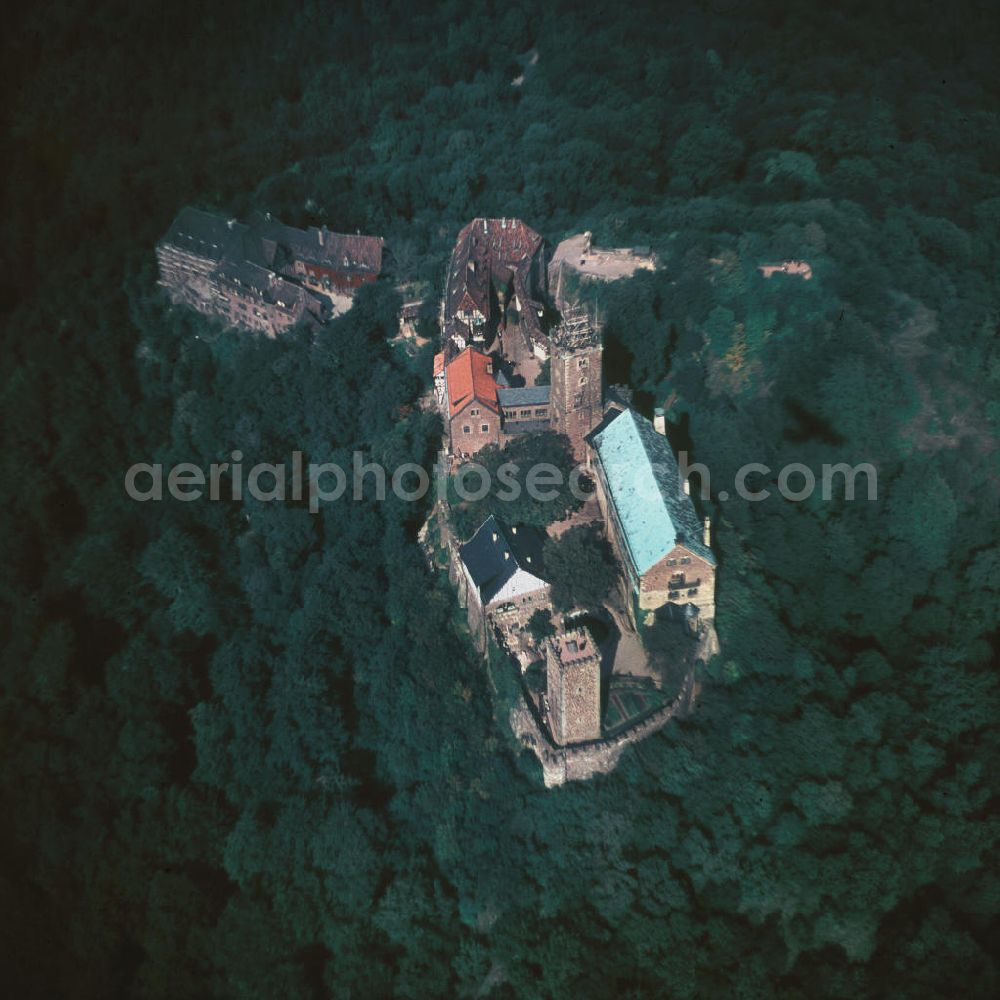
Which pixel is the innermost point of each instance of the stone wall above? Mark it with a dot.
(578, 763)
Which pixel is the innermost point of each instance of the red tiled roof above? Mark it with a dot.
(470, 377)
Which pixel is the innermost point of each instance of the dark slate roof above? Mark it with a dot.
(526, 395)
(210, 236)
(267, 242)
(338, 251)
(644, 483)
(264, 283)
(514, 427)
(483, 555)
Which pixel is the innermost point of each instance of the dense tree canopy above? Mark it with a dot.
(581, 568)
(249, 751)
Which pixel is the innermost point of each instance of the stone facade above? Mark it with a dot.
(263, 275)
(499, 577)
(495, 276)
(471, 428)
(576, 371)
(467, 395)
(573, 687)
(681, 573)
(682, 577)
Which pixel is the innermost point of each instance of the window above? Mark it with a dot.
(583, 380)
(486, 428)
(466, 429)
(685, 560)
(673, 595)
(474, 412)
(692, 591)
(540, 413)
(582, 363)
(671, 562)
(525, 413)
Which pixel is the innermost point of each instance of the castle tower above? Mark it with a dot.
(576, 379)
(573, 687)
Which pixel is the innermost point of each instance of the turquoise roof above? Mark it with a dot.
(644, 486)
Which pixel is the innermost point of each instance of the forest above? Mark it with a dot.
(249, 751)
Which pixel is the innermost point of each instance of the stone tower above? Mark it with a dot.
(575, 402)
(573, 687)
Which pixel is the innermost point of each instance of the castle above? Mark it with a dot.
(493, 331)
(263, 275)
(495, 285)
(497, 334)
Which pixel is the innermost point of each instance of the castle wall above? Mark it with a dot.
(579, 763)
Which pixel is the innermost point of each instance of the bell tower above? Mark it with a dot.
(576, 395)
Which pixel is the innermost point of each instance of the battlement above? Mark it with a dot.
(575, 646)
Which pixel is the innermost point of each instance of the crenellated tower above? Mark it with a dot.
(573, 687)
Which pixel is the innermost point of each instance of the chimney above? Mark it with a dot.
(687, 487)
(659, 421)
(319, 235)
(506, 555)
(707, 537)
(495, 537)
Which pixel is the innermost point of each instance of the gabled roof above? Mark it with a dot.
(338, 251)
(470, 377)
(495, 553)
(488, 249)
(210, 236)
(645, 488)
(268, 285)
(525, 395)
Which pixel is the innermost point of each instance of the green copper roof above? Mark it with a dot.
(644, 485)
